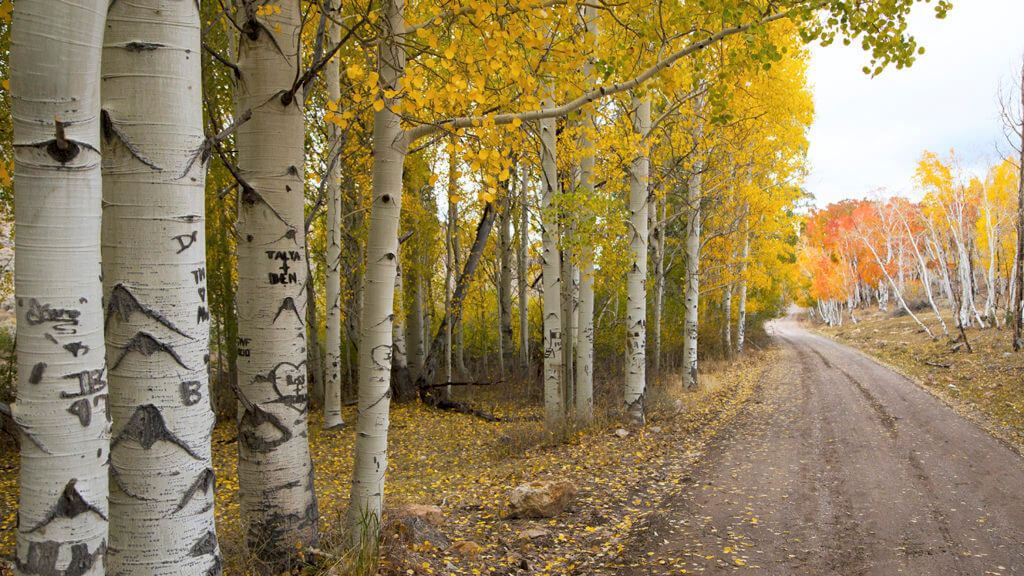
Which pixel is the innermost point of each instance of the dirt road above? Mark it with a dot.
(844, 467)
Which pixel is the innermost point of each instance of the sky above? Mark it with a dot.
(869, 133)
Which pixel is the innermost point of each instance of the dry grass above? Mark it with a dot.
(468, 467)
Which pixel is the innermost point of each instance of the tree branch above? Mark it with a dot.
(594, 93)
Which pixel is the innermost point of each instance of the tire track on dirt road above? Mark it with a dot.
(843, 468)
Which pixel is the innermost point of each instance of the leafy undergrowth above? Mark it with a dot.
(986, 385)
(468, 467)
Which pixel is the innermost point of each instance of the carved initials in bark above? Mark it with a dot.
(65, 320)
(42, 559)
(294, 378)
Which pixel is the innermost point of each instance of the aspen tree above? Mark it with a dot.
(61, 403)
(275, 472)
(332, 377)
(522, 269)
(157, 317)
(554, 408)
(390, 145)
(741, 300)
(415, 328)
(451, 232)
(636, 297)
(584, 393)
(1018, 259)
(692, 255)
(505, 278)
(926, 282)
(505, 282)
(658, 235)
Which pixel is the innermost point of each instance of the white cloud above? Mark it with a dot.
(870, 132)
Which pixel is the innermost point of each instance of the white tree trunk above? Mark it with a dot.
(399, 359)
(741, 304)
(585, 347)
(554, 411)
(275, 472)
(505, 280)
(390, 145)
(523, 270)
(570, 303)
(415, 328)
(154, 276)
(332, 377)
(451, 229)
(727, 316)
(964, 275)
(692, 297)
(993, 243)
(584, 393)
(896, 291)
(925, 276)
(659, 284)
(61, 404)
(636, 291)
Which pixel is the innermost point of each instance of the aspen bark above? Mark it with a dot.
(993, 242)
(692, 246)
(896, 290)
(332, 365)
(1018, 296)
(275, 472)
(554, 408)
(568, 316)
(314, 355)
(401, 384)
(415, 329)
(154, 277)
(61, 403)
(456, 259)
(584, 393)
(741, 304)
(390, 145)
(659, 283)
(727, 318)
(636, 293)
(923, 268)
(449, 271)
(505, 279)
(522, 269)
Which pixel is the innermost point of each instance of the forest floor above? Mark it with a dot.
(469, 466)
(985, 385)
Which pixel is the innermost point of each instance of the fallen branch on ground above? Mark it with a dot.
(444, 384)
(435, 401)
(966, 343)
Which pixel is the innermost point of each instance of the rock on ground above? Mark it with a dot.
(541, 498)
